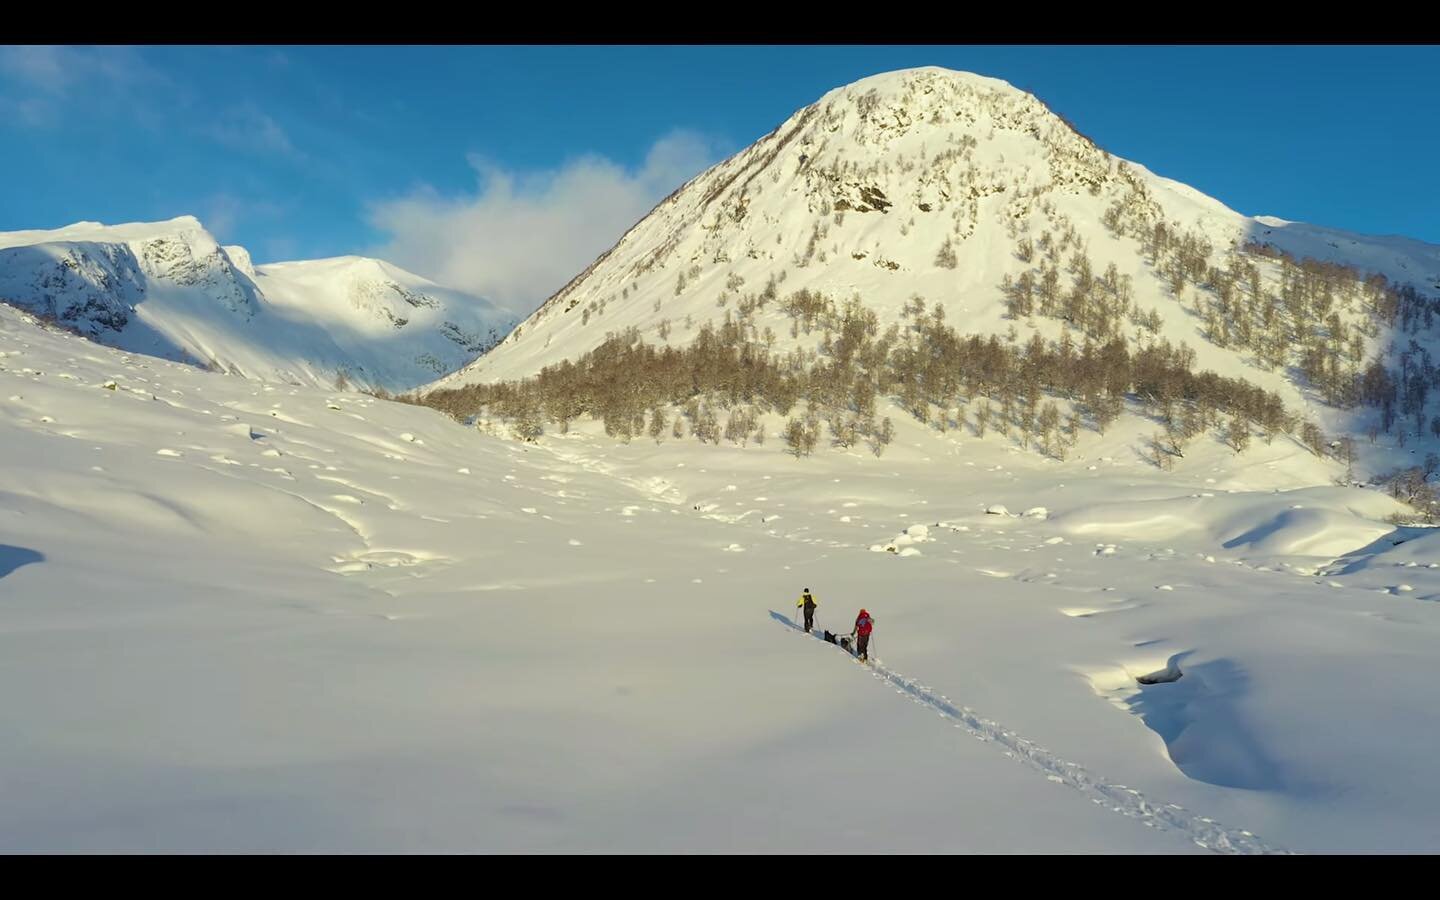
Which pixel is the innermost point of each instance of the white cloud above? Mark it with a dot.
(523, 235)
(247, 128)
(50, 69)
(223, 212)
(31, 112)
(280, 248)
(55, 70)
(47, 85)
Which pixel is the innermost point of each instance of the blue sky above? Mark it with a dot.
(301, 152)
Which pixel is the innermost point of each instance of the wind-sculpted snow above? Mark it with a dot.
(1330, 525)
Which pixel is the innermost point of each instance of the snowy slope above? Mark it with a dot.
(858, 193)
(256, 616)
(402, 326)
(246, 615)
(168, 289)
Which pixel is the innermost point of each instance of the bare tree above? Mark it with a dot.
(1237, 434)
(882, 436)
(797, 438)
(528, 426)
(1313, 438)
(946, 258)
(1346, 454)
(1160, 454)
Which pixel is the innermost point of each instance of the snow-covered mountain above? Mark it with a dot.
(948, 187)
(169, 289)
(596, 638)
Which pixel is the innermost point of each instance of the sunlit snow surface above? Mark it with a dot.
(246, 616)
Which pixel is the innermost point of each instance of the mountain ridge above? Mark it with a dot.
(169, 289)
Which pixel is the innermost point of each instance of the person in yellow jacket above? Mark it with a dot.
(808, 601)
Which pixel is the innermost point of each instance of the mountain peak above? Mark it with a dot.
(925, 182)
(932, 95)
(352, 266)
(188, 227)
(898, 80)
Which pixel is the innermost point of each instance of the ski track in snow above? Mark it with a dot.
(1118, 798)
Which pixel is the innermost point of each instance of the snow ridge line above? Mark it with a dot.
(1118, 798)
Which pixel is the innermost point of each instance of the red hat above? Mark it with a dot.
(864, 613)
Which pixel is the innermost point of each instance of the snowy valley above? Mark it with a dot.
(1126, 608)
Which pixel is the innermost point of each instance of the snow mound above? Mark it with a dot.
(902, 544)
(1309, 532)
(1330, 521)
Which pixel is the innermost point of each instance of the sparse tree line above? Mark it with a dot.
(1414, 486)
(1015, 387)
(1316, 316)
(1313, 315)
(725, 381)
(1401, 396)
(1096, 306)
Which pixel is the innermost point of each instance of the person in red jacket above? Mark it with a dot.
(863, 625)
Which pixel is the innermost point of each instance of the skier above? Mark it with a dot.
(863, 623)
(809, 602)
